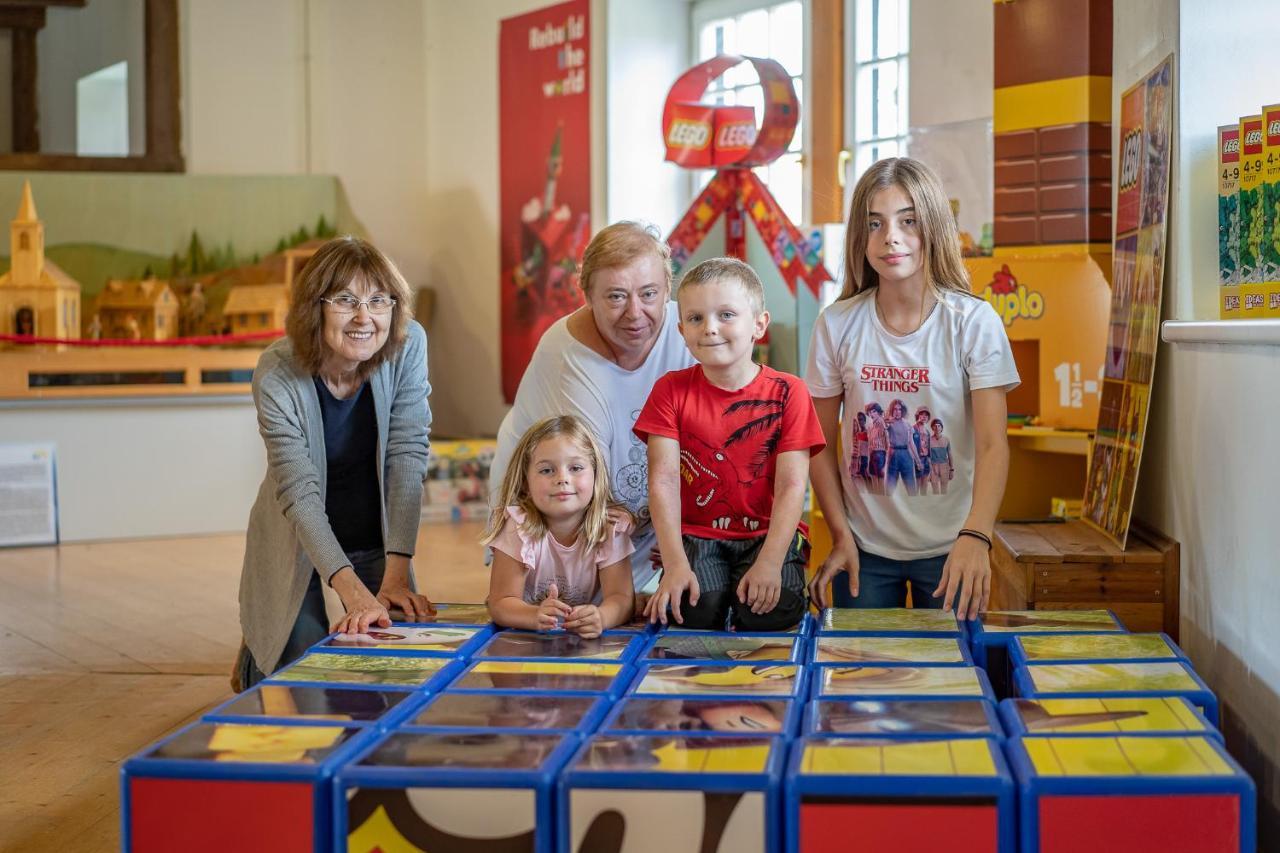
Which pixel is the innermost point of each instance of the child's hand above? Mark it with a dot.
(675, 582)
(552, 611)
(585, 621)
(620, 521)
(761, 587)
(843, 558)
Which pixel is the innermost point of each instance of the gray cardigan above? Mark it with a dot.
(289, 535)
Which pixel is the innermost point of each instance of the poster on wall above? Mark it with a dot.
(544, 174)
(1138, 274)
(28, 498)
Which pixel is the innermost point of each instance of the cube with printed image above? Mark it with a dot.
(1135, 794)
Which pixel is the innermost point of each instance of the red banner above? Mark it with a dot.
(544, 173)
(738, 194)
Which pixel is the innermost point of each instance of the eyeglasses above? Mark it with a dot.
(346, 305)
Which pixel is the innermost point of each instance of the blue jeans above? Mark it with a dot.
(312, 625)
(902, 463)
(883, 582)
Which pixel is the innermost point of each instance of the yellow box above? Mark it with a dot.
(1252, 291)
(1270, 189)
(1066, 507)
(1229, 221)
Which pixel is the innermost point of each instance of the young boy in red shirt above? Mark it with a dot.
(729, 442)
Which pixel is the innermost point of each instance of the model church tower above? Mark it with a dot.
(37, 298)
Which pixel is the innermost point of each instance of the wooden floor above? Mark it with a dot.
(106, 647)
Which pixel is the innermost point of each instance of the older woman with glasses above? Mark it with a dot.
(342, 409)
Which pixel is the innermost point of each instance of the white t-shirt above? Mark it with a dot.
(893, 508)
(565, 377)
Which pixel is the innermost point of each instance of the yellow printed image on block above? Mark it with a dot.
(677, 754)
(270, 744)
(889, 619)
(835, 649)
(435, 639)
(681, 758)
(547, 668)
(900, 681)
(858, 757)
(1044, 621)
(1125, 756)
(1109, 716)
(1111, 677)
(1096, 647)
(762, 679)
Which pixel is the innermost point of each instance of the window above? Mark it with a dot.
(880, 52)
(771, 30)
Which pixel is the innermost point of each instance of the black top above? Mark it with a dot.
(352, 500)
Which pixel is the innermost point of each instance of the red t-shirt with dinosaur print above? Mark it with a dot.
(729, 445)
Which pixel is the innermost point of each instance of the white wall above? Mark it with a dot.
(952, 61)
(316, 86)
(147, 468)
(1208, 477)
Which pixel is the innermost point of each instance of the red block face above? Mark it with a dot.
(1165, 823)
(688, 135)
(900, 826)
(735, 133)
(214, 816)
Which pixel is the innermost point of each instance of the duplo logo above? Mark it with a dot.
(1012, 301)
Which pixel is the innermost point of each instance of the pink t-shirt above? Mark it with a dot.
(572, 568)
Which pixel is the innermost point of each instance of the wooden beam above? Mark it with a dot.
(26, 110)
(22, 17)
(72, 163)
(824, 94)
(163, 84)
(18, 4)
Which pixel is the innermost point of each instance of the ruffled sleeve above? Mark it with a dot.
(513, 542)
(617, 547)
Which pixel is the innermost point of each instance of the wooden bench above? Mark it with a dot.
(1071, 566)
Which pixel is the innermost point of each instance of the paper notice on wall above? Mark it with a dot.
(28, 502)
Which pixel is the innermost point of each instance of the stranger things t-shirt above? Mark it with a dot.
(908, 486)
(729, 445)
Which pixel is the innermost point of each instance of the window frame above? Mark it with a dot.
(856, 64)
(703, 12)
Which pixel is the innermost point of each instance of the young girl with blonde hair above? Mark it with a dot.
(560, 542)
(907, 329)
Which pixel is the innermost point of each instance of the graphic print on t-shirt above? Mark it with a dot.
(899, 444)
(631, 482)
(739, 466)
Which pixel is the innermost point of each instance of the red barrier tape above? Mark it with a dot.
(201, 341)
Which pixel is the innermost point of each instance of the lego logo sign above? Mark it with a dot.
(689, 134)
(1273, 130)
(1131, 160)
(736, 135)
(1231, 146)
(699, 134)
(1253, 138)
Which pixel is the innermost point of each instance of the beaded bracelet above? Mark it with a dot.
(965, 531)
